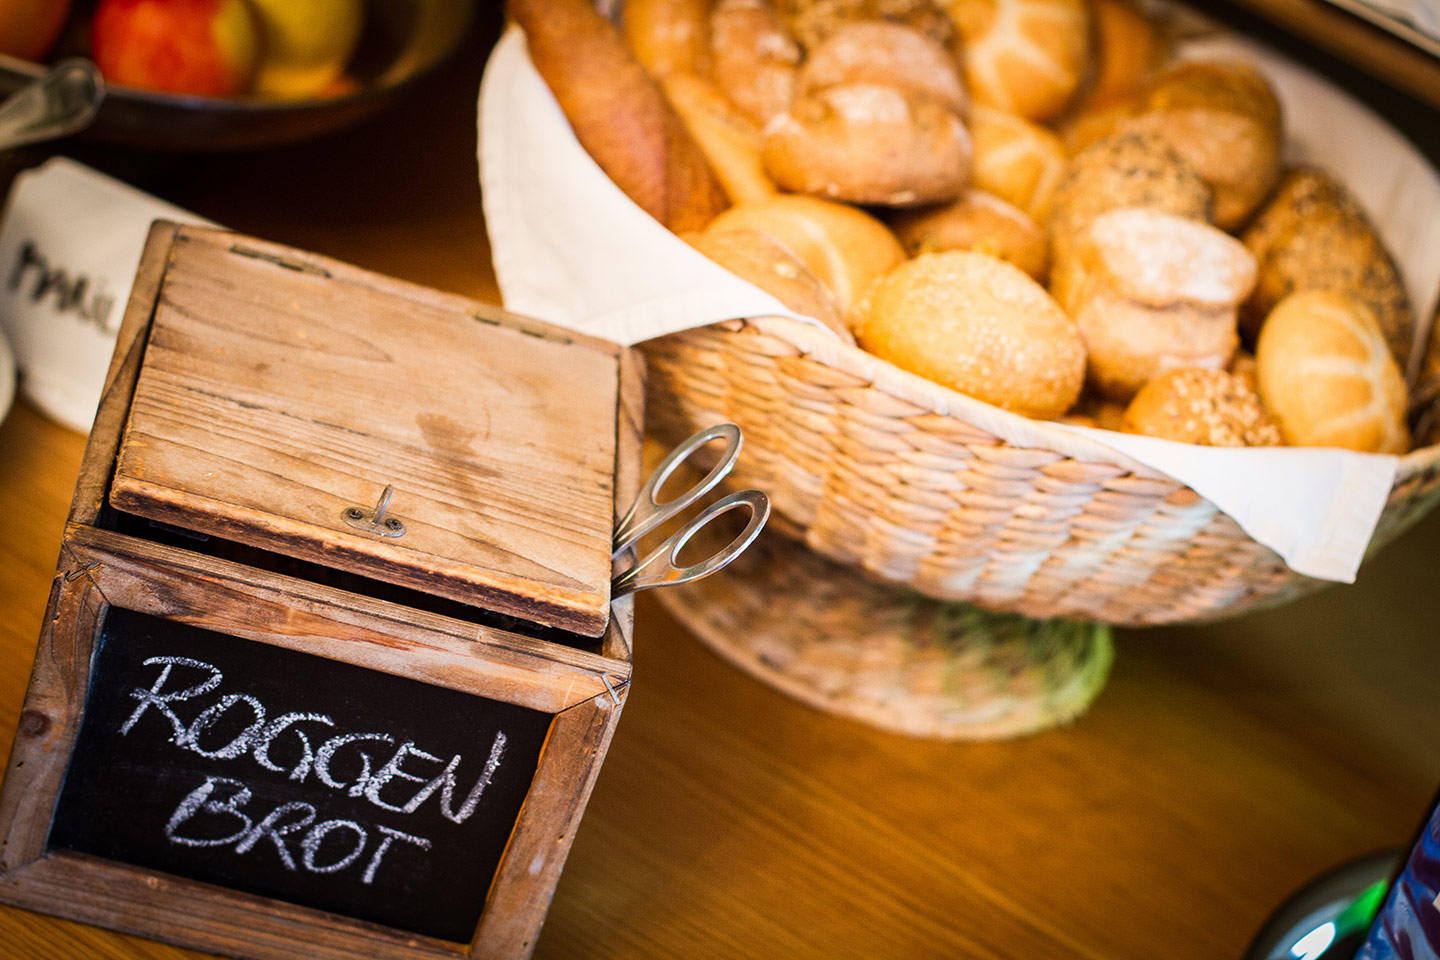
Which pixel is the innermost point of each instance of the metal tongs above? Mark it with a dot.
(62, 101)
(661, 567)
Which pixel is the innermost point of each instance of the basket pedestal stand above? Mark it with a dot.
(824, 634)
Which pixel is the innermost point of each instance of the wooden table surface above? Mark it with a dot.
(1223, 766)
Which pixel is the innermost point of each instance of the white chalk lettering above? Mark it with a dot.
(390, 836)
(326, 754)
(310, 846)
(209, 716)
(392, 771)
(153, 698)
(199, 801)
(226, 797)
(272, 827)
(279, 725)
(221, 812)
(445, 782)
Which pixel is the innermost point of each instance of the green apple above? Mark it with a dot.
(307, 45)
(204, 47)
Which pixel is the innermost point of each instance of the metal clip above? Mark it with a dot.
(375, 521)
(84, 571)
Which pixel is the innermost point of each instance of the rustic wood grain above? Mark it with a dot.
(242, 601)
(50, 722)
(114, 408)
(629, 447)
(280, 389)
(180, 911)
(520, 894)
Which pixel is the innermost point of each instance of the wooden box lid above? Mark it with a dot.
(279, 389)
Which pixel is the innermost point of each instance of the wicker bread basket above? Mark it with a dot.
(875, 467)
(919, 485)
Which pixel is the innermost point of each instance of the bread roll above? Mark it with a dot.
(1243, 366)
(730, 140)
(1128, 46)
(770, 265)
(887, 54)
(869, 144)
(812, 22)
(1126, 170)
(1024, 56)
(1093, 124)
(755, 60)
(669, 35)
(978, 325)
(1097, 412)
(1207, 407)
(846, 248)
(978, 221)
(1223, 118)
(618, 112)
(1313, 235)
(1327, 376)
(1016, 160)
(1157, 259)
(1157, 292)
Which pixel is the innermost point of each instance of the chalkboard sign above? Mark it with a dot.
(287, 775)
(308, 759)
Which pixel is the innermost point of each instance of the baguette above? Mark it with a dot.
(618, 112)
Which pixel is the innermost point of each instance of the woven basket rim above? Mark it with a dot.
(1015, 429)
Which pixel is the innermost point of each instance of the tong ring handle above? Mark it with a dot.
(647, 513)
(666, 572)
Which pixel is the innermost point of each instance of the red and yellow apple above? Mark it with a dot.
(29, 27)
(307, 45)
(203, 47)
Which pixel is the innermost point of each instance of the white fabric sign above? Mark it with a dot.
(70, 242)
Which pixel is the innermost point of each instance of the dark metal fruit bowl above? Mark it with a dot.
(401, 41)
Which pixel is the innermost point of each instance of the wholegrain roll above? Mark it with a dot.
(1016, 160)
(869, 144)
(1126, 170)
(978, 221)
(1326, 374)
(977, 325)
(844, 247)
(1224, 119)
(1313, 235)
(1201, 406)
(1024, 56)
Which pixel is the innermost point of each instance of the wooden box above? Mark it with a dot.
(265, 721)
